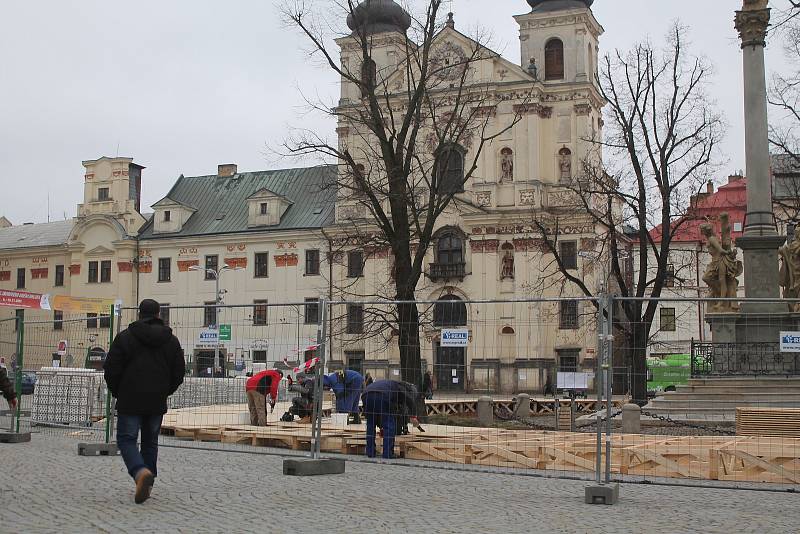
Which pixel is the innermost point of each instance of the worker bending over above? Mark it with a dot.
(302, 405)
(347, 386)
(258, 387)
(384, 402)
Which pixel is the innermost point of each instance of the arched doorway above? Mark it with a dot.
(449, 363)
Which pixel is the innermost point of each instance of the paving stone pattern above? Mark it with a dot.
(46, 487)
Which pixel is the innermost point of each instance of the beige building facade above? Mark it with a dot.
(282, 236)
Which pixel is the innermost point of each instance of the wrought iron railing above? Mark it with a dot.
(447, 271)
(742, 359)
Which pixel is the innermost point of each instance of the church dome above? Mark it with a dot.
(543, 6)
(377, 16)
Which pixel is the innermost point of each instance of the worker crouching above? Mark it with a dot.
(385, 403)
(302, 405)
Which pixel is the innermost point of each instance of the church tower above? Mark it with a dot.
(113, 188)
(561, 37)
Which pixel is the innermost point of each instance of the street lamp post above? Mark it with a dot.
(216, 273)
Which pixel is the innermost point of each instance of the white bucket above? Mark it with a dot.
(339, 419)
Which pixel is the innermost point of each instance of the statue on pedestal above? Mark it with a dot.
(790, 272)
(724, 269)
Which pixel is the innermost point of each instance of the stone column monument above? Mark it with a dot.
(746, 339)
(760, 242)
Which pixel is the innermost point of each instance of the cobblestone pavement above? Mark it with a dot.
(46, 487)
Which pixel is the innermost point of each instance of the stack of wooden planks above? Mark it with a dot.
(781, 422)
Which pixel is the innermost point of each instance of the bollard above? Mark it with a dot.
(523, 408)
(631, 419)
(485, 411)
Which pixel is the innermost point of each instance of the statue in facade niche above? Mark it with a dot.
(506, 165)
(790, 272)
(507, 270)
(724, 269)
(565, 164)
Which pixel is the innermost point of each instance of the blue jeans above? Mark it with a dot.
(377, 408)
(128, 427)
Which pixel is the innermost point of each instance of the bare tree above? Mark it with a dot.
(410, 136)
(661, 136)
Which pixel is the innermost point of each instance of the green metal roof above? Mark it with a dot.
(222, 206)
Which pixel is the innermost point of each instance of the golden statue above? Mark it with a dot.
(724, 269)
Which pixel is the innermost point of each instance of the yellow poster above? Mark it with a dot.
(82, 305)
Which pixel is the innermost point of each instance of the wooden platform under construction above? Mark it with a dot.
(739, 458)
(539, 405)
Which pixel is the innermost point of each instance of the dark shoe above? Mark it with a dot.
(144, 485)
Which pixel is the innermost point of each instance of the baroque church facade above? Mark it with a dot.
(283, 231)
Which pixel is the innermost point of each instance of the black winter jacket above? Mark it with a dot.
(144, 366)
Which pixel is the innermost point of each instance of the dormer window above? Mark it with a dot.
(266, 208)
(167, 216)
(170, 216)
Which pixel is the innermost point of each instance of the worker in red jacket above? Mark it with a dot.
(257, 388)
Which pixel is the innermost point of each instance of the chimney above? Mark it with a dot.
(735, 177)
(226, 170)
(710, 187)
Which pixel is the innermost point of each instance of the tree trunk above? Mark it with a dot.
(638, 362)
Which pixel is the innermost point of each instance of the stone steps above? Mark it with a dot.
(716, 399)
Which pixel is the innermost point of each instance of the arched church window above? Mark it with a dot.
(506, 165)
(507, 330)
(449, 311)
(554, 60)
(449, 170)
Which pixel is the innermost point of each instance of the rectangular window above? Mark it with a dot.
(93, 272)
(18, 315)
(355, 319)
(59, 276)
(312, 262)
(164, 269)
(209, 314)
(259, 356)
(260, 313)
(264, 207)
(91, 320)
(312, 311)
(102, 194)
(568, 315)
(105, 321)
(667, 319)
(20, 278)
(262, 265)
(355, 264)
(167, 216)
(212, 264)
(58, 320)
(105, 271)
(568, 250)
(164, 313)
(669, 278)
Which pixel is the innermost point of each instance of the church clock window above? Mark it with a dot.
(554, 60)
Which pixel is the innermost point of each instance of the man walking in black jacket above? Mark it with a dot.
(144, 366)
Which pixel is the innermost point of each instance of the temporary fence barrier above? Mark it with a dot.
(522, 386)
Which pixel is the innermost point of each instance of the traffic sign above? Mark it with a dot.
(224, 332)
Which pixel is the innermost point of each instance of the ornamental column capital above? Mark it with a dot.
(752, 23)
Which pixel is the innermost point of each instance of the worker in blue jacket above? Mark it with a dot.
(347, 386)
(385, 401)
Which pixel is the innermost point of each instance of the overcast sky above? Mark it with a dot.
(183, 85)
